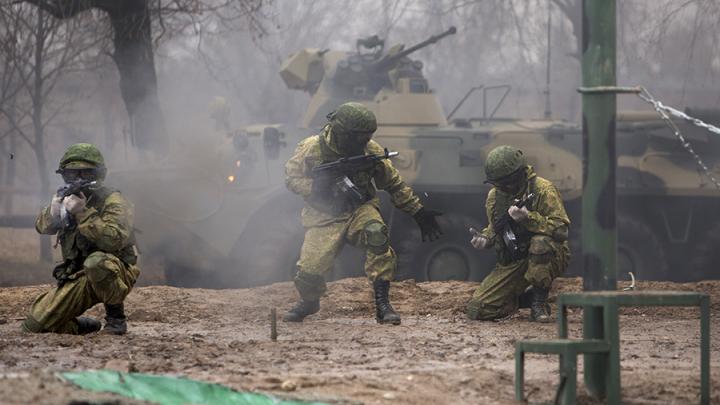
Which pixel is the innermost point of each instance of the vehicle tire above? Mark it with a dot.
(268, 250)
(704, 258)
(449, 258)
(187, 261)
(639, 251)
(179, 275)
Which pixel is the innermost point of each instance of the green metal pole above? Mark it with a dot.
(599, 236)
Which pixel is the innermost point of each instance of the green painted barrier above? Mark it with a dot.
(167, 390)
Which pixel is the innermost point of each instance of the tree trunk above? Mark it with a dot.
(9, 175)
(45, 250)
(38, 129)
(138, 82)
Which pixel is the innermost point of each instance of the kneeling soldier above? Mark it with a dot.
(529, 236)
(342, 206)
(94, 227)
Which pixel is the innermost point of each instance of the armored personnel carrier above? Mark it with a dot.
(245, 230)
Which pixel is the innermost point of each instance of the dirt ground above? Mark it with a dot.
(341, 355)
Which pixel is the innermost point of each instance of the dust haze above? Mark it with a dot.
(212, 210)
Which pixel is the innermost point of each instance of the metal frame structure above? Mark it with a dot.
(607, 348)
(600, 301)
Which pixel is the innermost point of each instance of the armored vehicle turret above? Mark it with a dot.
(390, 82)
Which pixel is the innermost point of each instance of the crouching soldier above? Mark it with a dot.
(531, 209)
(342, 207)
(94, 226)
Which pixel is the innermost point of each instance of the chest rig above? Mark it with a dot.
(76, 248)
(499, 210)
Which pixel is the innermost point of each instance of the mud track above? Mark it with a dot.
(341, 355)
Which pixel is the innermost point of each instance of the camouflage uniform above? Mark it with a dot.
(543, 242)
(99, 259)
(363, 227)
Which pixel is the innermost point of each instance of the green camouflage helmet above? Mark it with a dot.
(352, 127)
(503, 161)
(353, 117)
(82, 156)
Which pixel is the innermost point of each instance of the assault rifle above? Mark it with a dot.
(342, 193)
(67, 190)
(75, 187)
(504, 229)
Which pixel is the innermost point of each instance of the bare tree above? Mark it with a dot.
(131, 25)
(37, 50)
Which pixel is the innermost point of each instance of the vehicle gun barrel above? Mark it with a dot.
(389, 61)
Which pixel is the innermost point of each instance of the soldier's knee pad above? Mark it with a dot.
(375, 234)
(103, 272)
(99, 266)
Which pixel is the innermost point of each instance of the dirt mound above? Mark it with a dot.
(340, 354)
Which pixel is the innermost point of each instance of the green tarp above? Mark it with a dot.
(167, 390)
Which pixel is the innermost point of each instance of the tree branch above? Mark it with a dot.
(63, 9)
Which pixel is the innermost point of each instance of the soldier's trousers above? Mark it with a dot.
(498, 294)
(365, 229)
(103, 278)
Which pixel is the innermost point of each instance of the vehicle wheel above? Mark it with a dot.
(706, 256)
(639, 251)
(449, 258)
(179, 275)
(268, 249)
(186, 260)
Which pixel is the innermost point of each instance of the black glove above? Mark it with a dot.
(60, 273)
(429, 228)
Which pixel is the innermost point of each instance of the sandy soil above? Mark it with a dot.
(341, 355)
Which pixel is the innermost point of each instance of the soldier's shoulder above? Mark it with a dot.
(375, 148)
(309, 143)
(491, 194)
(113, 196)
(310, 140)
(542, 184)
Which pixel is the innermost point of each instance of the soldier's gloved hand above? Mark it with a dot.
(75, 204)
(55, 206)
(518, 214)
(429, 227)
(60, 274)
(478, 241)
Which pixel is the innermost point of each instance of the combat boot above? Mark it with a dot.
(115, 321)
(525, 299)
(302, 309)
(384, 311)
(87, 325)
(539, 308)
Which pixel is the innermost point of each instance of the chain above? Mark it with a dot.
(663, 110)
